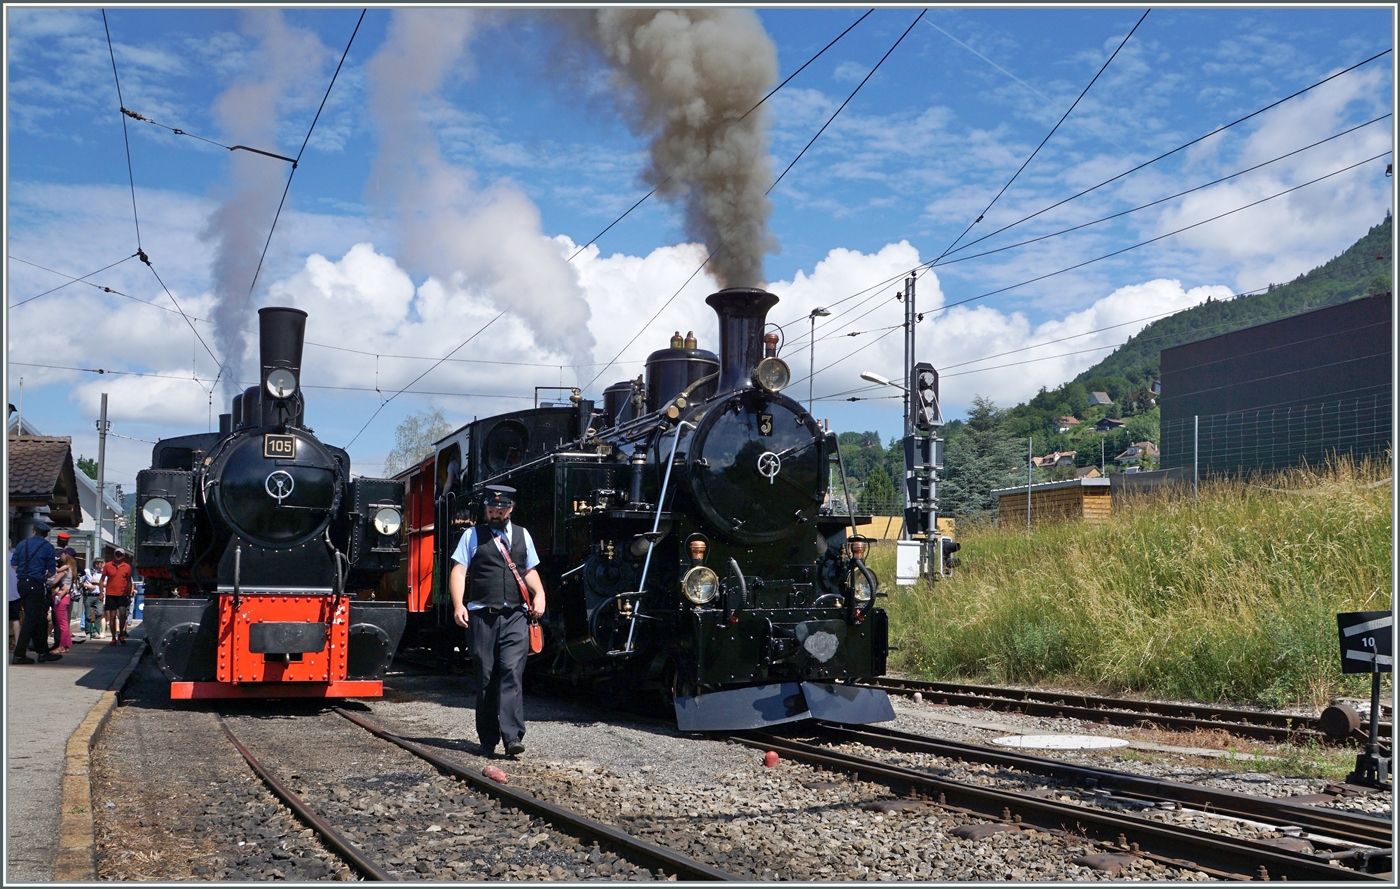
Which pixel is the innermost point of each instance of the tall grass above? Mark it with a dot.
(1229, 597)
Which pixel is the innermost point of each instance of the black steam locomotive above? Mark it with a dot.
(255, 542)
(681, 533)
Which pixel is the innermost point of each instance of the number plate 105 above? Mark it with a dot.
(279, 446)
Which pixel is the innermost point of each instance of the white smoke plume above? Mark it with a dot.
(692, 74)
(283, 71)
(483, 241)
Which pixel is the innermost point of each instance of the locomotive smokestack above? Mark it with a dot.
(282, 332)
(742, 312)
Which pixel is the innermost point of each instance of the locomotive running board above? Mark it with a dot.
(344, 688)
(758, 706)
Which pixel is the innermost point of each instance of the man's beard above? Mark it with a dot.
(498, 524)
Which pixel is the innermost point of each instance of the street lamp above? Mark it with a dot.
(818, 312)
(872, 377)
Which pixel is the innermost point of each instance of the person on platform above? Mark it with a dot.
(116, 593)
(34, 563)
(61, 591)
(91, 583)
(496, 592)
(12, 589)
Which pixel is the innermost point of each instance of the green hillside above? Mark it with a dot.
(1363, 270)
(988, 450)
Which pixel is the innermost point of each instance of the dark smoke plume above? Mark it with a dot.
(692, 74)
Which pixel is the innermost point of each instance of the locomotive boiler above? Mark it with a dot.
(257, 546)
(681, 534)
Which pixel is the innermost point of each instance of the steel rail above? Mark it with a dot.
(640, 851)
(1126, 834)
(333, 838)
(1349, 826)
(1121, 711)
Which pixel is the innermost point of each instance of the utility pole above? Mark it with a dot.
(908, 397)
(102, 427)
(1030, 464)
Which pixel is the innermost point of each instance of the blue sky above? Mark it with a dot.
(520, 147)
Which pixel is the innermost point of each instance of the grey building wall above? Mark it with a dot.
(1270, 396)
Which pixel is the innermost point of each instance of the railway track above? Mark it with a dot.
(1351, 827)
(1260, 725)
(545, 817)
(1122, 837)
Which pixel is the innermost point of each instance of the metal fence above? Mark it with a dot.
(1279, 437)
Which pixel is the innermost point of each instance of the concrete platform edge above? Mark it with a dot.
(77, 840)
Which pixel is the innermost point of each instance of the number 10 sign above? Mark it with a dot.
(1366, 641)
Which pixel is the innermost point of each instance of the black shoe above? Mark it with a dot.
(49, 658)
(483, 750)
(515, 748)
(22, 660)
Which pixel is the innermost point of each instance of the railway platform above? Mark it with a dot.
(47, 706)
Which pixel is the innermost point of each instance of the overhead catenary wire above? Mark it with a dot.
(847, 102)
(1062, 119)
(1133, 339)
(771, 187)
(71, 279)
(928, 264)
(252, 285)
(203, 380)
(654, 316)
(948, 262)
(126, 139)
(755, 107)
(947, 306)
(1168, 154)
(1230, 298)
(436, 364)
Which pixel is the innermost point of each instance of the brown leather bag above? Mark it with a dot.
(536, 631)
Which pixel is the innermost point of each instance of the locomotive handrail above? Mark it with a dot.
(845, 486)
(660, 506)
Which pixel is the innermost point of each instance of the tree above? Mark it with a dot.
(88, 466)
(979, 457)
(879, 496)
(414, 438)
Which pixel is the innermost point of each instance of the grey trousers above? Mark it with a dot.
(500, 645)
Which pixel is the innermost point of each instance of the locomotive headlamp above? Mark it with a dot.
(157, 512)
(700, 585)
(281, 383)
(387, 521)
(772, 374)
(862, 586)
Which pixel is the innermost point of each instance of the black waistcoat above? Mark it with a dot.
(489, 579)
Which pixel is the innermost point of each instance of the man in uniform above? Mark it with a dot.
(34, 563)
(496, 591)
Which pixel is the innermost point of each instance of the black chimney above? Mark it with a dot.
(281, 332)
(742, 312)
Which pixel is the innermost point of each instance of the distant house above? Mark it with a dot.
(1066, 424)
(1134, 454)
(1156, 387)
(1058, 458)
(1099, 399)
(1087, 472)
(1108, 424)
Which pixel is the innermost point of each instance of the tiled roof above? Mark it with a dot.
(35, 464)
(41, 473)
